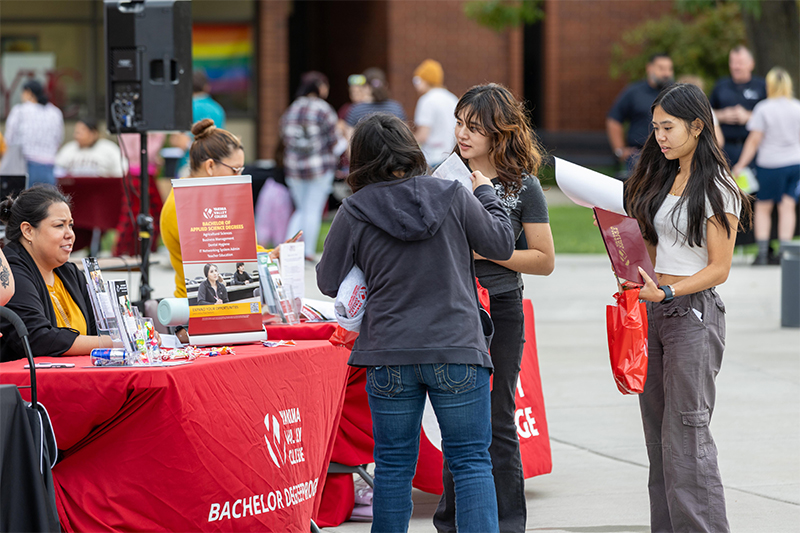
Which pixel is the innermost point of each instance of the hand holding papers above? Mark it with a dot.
(454, 169)
(589, 188)
(625, 246)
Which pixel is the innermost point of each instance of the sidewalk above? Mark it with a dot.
(599, 478)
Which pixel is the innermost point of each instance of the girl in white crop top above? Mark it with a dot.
(681, 193)
(688, 208)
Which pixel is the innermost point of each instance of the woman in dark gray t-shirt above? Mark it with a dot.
(495, 138)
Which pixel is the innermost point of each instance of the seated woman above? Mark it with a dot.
(89, 154)
(50, 293)
(212, 290)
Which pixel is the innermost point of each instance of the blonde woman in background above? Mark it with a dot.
(774, 130)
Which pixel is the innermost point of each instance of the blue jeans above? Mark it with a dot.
(509, 478)
(309, 197)
(40, 173)
(460, 398)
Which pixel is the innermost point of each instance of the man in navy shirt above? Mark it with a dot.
(734, 98)
(633, 106)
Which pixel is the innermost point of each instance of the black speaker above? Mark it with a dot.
(149, 65)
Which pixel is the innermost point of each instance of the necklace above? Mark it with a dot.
(58, 307)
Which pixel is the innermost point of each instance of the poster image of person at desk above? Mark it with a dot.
(241, 277)
(212, 290)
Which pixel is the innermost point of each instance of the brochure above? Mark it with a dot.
(276, 295)
(589, 188)
(625, 246)
(454, 169)
(101, 302)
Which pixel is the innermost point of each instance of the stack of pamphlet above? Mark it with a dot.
(277, 298)
(116, 317)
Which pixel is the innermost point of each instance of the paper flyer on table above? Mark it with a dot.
(293, 267)
(589, 188)
(217, 229)
(454, 169)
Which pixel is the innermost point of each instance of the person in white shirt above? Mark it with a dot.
(38, 127)
(774, 128)
(434, 117)
(689, 210)
(89, 154)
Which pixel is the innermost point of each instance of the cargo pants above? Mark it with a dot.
(686, 338)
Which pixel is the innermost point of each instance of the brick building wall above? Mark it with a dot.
(273, 72)
(345, 37)
(578, 37)
(469, 53)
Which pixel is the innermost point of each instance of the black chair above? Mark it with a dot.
(28, 451)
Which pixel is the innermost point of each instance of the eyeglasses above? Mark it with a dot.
(236, 170)
(356, 79)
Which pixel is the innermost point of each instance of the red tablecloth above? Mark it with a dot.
(236, 442)
(354, 441)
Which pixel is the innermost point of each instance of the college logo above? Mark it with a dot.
(208, 212)
(277, 450)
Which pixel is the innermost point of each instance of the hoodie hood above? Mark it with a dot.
(410, 209)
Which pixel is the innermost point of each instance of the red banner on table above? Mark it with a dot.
(217, 231)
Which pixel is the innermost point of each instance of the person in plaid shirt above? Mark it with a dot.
(308, 130)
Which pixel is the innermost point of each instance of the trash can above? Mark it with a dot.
(790, 285)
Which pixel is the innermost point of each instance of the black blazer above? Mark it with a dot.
(207, 296)
(31, 301)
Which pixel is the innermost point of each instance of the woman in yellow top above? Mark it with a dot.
(50, 292)
(214, 152)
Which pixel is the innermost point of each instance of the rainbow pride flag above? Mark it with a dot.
(225, 52)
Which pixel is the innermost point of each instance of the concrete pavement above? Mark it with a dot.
(599, 477)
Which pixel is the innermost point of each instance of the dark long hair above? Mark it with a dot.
(32, 206)
(514, 148)
(382, 145)
(654, 174)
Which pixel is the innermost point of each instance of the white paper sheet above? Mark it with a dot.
(589, 188)
(455, 170)
(293, 267)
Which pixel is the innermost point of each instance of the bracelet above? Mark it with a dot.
(669, 293)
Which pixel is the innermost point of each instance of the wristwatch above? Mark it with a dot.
(618, 152)
(669, 293)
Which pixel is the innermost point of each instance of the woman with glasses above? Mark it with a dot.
(214, 152)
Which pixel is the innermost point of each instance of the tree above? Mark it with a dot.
(501, 14)
(772, 29)
(698, 44)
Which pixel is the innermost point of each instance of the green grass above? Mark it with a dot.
(573, 231)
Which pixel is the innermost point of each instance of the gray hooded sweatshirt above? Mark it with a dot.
(413, 238)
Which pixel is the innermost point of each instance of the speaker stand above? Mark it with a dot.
(144, 222)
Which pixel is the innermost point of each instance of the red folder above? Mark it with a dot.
(625, 246)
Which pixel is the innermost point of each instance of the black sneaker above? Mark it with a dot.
(773, 258)
(761, 260)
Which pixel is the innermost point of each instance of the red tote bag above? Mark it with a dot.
(627, 341)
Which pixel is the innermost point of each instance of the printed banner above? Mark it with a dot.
(218, 243)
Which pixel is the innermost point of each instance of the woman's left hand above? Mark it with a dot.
(650, 291)
(476, 255)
